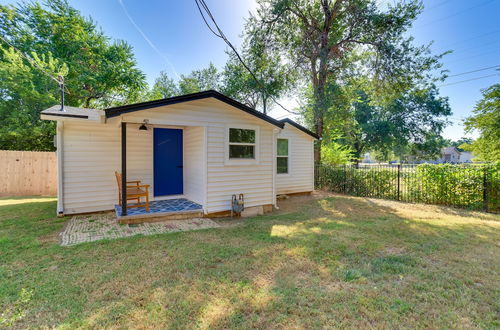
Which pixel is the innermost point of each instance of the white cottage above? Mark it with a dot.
(191, 153)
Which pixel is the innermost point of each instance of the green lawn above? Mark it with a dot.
(333, 261)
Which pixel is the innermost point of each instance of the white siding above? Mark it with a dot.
(92, 153)
(223, 180)
(300, 163)
(139, 157)
(254, 181)
(194, 164)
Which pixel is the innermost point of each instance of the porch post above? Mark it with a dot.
(124, 169)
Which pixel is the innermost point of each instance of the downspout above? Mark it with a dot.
(60, 169)
(205, 172)
(275, 136)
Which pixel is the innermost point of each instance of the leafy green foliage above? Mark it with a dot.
(270, 79)
(442, 184)
(486, 120)
(413, 120)
(456, 185)
(335, 153)
(459, 144)
(23, 94)
(97, 72)
(164, 87)
(200, 80)
(197, 81)
(328, 43)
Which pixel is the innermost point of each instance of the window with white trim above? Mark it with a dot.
(242, 143)
(282, 156)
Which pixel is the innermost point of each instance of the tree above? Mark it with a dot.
(486, 120)
(409, 125)
(200, 80)
(24, 91)
(164, 87)
(196, 81)
(267, 80)
(98, 73)
(412, 122)
(331, 40)
(459, 143)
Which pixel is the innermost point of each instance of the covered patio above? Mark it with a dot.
(161, 208)
(159, 181)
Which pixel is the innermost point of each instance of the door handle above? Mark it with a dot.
(180, 166)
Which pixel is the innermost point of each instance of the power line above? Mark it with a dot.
(455, 14)
(462, 73)
(474, 56)
(437, 5)
(472, 38)
(462, 81)
(33, 63)
(483, 45)
(220, 34)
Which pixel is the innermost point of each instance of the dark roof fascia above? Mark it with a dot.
(300, 127)
(65, 115)
(116, 111)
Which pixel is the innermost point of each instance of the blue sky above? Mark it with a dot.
(180, 42)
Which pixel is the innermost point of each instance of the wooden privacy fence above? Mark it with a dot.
(24, 173)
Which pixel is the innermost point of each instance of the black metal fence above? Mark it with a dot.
(472, 186)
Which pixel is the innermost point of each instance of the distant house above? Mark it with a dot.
(196, 151)
(450, 155)
(367, 159)
(466, 157)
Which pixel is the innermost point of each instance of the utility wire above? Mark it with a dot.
(462, 73)
(473, 56)
(462, 81)
(468, 49)
(33, 63)
(220, 34)
(455, 14)
(437, 5)
(469, 39)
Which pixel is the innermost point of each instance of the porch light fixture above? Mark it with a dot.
(144, 126)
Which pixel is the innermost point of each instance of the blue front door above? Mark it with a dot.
(167, 161)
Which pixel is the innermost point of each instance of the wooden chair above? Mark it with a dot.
(135, 190)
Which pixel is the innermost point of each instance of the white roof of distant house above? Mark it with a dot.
(448, 150)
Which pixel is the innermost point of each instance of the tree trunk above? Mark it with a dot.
(264, 105)
(320, 108)
(317, 146)
(319, 112)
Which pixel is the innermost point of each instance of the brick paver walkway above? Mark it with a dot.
(94, 227)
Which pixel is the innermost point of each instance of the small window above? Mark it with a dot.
(241, 143)
(282, 156)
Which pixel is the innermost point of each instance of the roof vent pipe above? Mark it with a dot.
(61, 87)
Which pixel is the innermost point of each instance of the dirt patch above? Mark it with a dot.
(48, 239)
(295, 203)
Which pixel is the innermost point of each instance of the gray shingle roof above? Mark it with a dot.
(73, 112)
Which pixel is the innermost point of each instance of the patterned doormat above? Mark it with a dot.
(94, 227)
